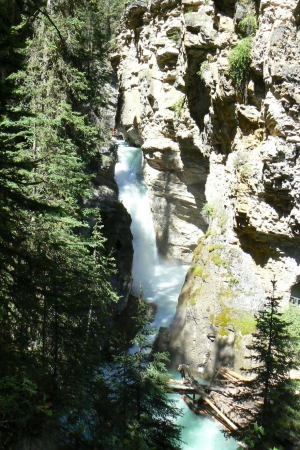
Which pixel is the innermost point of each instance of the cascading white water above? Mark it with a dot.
(161, 282)
(160, 279)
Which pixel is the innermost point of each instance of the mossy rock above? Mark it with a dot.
(197, 271)
(216, 246)
(198, 249)
(193, 301)
(217, 260)
(242, 323)
(245, 324)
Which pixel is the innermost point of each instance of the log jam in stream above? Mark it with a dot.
(204, 400)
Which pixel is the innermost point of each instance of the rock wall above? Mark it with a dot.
(153, 114)
(115, 218)
(221, 158)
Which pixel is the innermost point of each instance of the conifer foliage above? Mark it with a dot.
(54, 291)
(55, 294)
(271, 398)
(131, 408)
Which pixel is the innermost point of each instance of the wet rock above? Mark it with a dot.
(162, 340)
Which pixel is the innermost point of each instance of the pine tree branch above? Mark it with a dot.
(44, 13)
(65, 47)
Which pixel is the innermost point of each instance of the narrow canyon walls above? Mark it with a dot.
(115, 219)
(221, 157)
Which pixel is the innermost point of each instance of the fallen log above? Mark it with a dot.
(231, 409)
(238, 376)
(183, 388)
(182, 368)
(230, 424)
(179, 385)
(228, 377)
(191, 405)
(203, 410)
(222, 389)
(171, 381)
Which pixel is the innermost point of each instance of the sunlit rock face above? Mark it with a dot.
(232, 150)
(153, 113)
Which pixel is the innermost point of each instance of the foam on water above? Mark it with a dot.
(161, 281)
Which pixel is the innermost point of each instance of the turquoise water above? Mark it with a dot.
(161, 281)
(201, 433)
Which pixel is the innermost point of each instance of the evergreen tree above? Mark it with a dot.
(277, 411)
(55, 295)
(112, 11)
(140, 414)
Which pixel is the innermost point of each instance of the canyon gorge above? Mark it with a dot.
(221, 161)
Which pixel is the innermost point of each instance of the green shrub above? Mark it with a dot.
(239, 61)
(245, 324)
(207, 210)
(197, 271)
(215, 211)
(233, 281)
(193, 301)
(248, 25)
(222, 320)
(178, 106)
(222, 220)
(195, 297)
(240, 159)
(198, 249)
(223, 229)
(175, 35)
(204, 66)
(245, 172)
(240, 163)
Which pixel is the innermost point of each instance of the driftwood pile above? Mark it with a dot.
(215, 399)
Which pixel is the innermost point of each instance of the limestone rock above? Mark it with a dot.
(221, 161)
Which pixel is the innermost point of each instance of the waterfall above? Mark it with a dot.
(161, 281)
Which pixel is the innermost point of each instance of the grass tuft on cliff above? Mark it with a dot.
(239, 61)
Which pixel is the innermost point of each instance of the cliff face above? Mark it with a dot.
(221, 158)
(115, 218)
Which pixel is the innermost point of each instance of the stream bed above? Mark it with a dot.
(161, 281)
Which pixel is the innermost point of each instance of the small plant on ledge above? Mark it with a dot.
(239, 62)
(177, 107)
(248, 25)
(207, 210)
(204, 66)
(175, 35)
